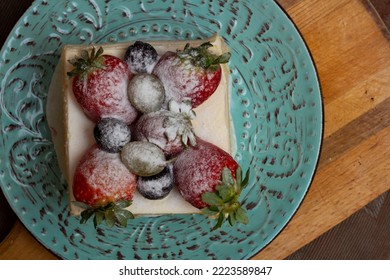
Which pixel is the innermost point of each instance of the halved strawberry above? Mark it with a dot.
(210, 179)
(100, 86)
(193, 73)
(103, 186)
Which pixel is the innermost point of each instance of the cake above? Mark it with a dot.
(74, 129)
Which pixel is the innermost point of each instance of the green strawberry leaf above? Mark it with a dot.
(122, 216)
(201, 57)
(244, 183)
(84, 55)
(99, 52)
(80, 204)
(212, 198)
(232, 218)
(223, 58)
(98, 218)
(110, 218)
(221, 219)
(241, 216)
(112, 213)
(86, 63)
(206, 45)
(123, 203)
(223, 204)
(227, 177)
(210, 211)
(86, 215)
(226, 192)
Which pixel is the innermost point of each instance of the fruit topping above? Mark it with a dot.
(171, 130)
(157, 186)
(208, 177)
(179, 123)
(111, 134)
(161, 151)
(223, 204)
(198, 170)
(143, 158)
(102, 185)
(193, 73)
(146, 92)
(141, 57)
(100, 86)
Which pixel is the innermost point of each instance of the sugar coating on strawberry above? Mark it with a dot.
(197, 170)
(101, 177)
(150, 127)
(171, 129)
(182, 82)
(100, 86)
(192, 73)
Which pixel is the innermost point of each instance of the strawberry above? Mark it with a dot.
(171, 129)
(100, 86)
(103, 186)
(193, 73)
(211, 180)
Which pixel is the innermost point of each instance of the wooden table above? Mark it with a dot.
(351, 49)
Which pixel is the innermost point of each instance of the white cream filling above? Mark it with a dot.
(72, 131)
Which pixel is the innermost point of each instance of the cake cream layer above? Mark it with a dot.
(72, 131)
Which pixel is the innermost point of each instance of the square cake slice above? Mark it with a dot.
(74, 131)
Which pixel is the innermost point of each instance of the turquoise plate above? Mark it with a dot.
(276, 109)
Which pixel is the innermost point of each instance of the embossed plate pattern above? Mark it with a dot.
(276, 109)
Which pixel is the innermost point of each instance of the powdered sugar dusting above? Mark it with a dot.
(112, 134)
(141, 63)
(105, 93)
(170, 77)
(102, 177)
(150, 127)
(158, 186)
(182, 82)
(141, 205)
(120, 135)
(141, 57)
(146, 92)
(143, 158)
(198, 170)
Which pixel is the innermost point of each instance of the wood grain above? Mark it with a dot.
(21, 245)
(352, 55)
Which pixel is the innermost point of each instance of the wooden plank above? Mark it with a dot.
(339, 189)
(21, 245)
(360, 98)
(343, 39)
(351, 135)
